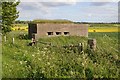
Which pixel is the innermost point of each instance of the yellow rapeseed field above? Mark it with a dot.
(20, 28)
(91, 29)
(106, 29)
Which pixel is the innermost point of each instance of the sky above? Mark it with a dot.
(77, 11)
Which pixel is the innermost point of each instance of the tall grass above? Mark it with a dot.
(41, 61)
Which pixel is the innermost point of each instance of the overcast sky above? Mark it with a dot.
(69, 9)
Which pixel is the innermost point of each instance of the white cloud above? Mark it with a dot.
(43, 7)
(73, 1)
(32, 6)
(66, 1)
(45, 10)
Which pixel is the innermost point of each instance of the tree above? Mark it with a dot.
(9, 15)
(0, 16)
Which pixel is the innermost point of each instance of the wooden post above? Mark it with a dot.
(92, 44)
(33, 41)
(5, 38)
(13, 40)
(80, 47)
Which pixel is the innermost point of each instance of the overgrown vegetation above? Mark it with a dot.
(51, 21)
(41, 61)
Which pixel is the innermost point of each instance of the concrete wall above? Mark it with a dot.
(73, 29)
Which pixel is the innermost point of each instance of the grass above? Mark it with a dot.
(41, 61)
(105, 25)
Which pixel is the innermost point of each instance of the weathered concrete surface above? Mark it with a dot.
(92, 44)
(41, 30)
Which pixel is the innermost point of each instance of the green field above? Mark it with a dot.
(104, 25)
(43, 61)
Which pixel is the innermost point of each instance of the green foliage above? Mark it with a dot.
(89, 74)
(0, 10)
(41, 61)
(9, 15)
(22, 36)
